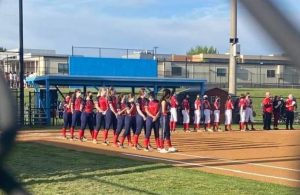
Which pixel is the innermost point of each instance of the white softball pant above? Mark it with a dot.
(173, 117)
(228, 117)
(249, 115)
(197, 117)
(207, 116)
(186, 116)
(216, 116)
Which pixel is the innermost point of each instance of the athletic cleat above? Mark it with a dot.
(172, 149)
(163, 151)
(139, 145)
(136, 148)
(220, 130)
(150, 147)
(146, 149)
(105, 143)
(83, 139)
(121, 146)
(158, 149)
(210, 130)
(95, 141)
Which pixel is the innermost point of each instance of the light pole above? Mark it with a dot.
(154, 52)
(21, 56)
(233, 48)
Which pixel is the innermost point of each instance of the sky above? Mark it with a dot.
(174, 26)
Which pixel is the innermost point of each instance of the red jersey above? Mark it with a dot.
(197, 104)
(88, 106)
(142, 102)
(228, 105)
(67, 107)
(133, 111)
(153, 107)
(267, 105)
(77, 103)
(102, 103)
(242, 103)
(173, 102)
(186, 104)
(206, 104)
(120, 107)
(113, 101)
(217, 104)
(289, 105)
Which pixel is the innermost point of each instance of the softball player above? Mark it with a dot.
(242, 107)
(197, 113)
(129, 121)
(249, 113)
(186, 113)
(173, 119)
(228, 113)
(101, 106)
(207, 113)
(67, 116)
(152, 121)
(164, 131)
(121, 113)
(216, 113)
(87, 116)
(110, 116)
(76, 107)
(141, 102)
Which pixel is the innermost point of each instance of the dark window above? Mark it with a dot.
(221, 72)
(63, 68)
(270, 73)
(176, 71)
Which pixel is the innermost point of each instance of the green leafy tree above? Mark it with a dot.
(2, 49)
(200, 49)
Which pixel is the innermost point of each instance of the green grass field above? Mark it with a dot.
(50, 170)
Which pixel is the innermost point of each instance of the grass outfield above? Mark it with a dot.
(50, 170)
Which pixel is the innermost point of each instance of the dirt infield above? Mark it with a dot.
(268, 156)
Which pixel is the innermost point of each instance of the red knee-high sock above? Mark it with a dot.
(217, 126)
(169, 143)
(72, 132)
(129, 139)
(95, 134)
(115, 138)
(122, 140)
(63, 131)
(161, 143)
(157, 143)
(187, 126)
(174, 125)
(198, 126)
(208, 125)
(242, 126)
(171, 125)
(80, 133)
(229, 126)
(105, 134)
(146, 142)
(135, 140)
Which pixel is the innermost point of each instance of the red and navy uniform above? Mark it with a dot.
(100, 116)
(164, 132)
(87, 117)
(67, 116)
(76, 103)
(173, 102)
(129, 121)
(228, 105)
(290, 108)
(140, 123)
(110, 117)
(153, 108)
(268, 110)
(121, 107)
